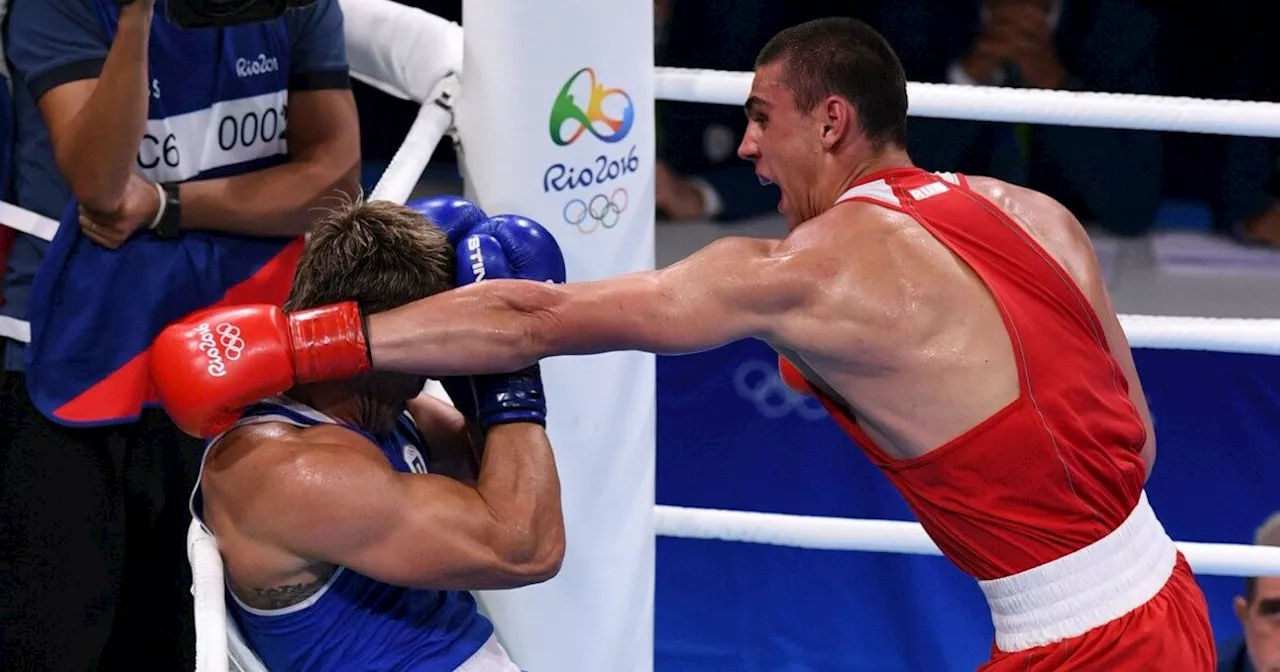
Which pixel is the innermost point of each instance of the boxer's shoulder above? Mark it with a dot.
(1046, 220)
(1027, 206)
(263, 464)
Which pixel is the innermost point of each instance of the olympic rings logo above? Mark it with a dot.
(760, 384)
(600, 210)
(232, 344)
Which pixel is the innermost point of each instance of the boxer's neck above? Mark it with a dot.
(886, 159)
(853, 168)
(355, 403)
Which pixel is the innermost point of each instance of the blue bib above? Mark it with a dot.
(218, 107)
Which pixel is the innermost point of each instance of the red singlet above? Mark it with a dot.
(1057, 475)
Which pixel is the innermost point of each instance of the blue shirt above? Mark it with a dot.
(218, 107)
(356, 622)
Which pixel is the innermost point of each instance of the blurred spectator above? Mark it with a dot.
(163, 152)
(1262, 227)
(1226, 50)
(1259, 613)
(1109, 176)
(698, 174)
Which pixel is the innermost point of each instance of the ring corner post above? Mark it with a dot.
(556, 122)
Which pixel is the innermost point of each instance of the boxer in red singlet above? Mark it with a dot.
(956, 327)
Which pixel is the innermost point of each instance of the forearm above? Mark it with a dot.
(284, 200)
(99, 144)
(499, 326)
(488, 327)
(519, 484)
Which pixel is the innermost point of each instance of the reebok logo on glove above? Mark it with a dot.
(477, 258)
(227, 343)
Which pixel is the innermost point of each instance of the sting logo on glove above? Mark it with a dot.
(477, 258)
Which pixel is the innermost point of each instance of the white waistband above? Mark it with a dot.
(1085, 589)
(490, 658)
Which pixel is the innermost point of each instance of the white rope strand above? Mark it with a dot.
(1239, 335)
(210, 600)
(892, 536)
(431, 125)
(1035, 106)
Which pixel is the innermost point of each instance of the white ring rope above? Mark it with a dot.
(892, 536)
(434, 120)
(1209, 334)
(1037, 106)
(210, 600)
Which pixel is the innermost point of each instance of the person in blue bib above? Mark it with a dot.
(183, 166)
(353, 515)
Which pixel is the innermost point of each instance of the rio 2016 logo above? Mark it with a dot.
(608, 115)
(565, 111)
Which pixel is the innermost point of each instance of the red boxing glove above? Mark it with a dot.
(210, 366)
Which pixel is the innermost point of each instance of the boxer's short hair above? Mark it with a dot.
(377, 253)
(844, 57)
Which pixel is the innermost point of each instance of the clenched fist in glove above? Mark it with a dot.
(508, 247)
(209, 367)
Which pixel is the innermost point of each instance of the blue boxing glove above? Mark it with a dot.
(509, 246)
(454, 215)
(505, 247)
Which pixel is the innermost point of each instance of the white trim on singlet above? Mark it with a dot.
(284, 611)
(879, 190)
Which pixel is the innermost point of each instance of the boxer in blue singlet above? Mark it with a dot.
(353, 516)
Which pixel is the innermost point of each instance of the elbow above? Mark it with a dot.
(535, 558)
(98, 185)
(333, 178)
(338, 169)
(96, 193)
(541, 567)
(347, 185)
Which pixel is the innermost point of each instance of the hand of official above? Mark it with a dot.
(137, 209)
(507, 247)
(211, 365)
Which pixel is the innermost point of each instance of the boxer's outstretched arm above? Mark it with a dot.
(732, 289)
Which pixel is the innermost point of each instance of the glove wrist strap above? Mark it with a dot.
(329, 343)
